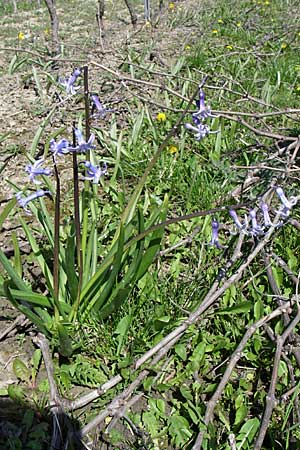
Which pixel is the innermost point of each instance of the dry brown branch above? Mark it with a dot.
(285, 267)
(12, 329)
(54, 26)
(237, 354)
(271, 399)
(121, 399)
(55, 401)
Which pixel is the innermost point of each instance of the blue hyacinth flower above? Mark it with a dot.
(94, 173)
(101, 110)
(23, 202)
(203, 112)
(35, 170)
(82, 145)
(69, 83)
(59, 148)
(215, 234)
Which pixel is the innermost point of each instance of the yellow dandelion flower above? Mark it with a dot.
(21, 36)
(172, 149)
(188, 47)
(297, 88)
(161, 117)
(220, 21)
(267, 2)
(284, 45)
(171, 5)
(215, 31)
(46, 31)
(239, 24)
(230, 47)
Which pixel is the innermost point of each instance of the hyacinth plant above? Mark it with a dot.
(78, 280)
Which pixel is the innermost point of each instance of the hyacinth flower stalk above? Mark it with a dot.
(77, 219)
(81, 237)
(56, 242)
(199, 128)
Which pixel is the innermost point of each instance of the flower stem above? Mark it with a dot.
(77, 228)
(56, 243)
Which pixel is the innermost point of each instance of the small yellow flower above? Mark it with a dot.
(220, 21)
(171, 5)
(267, 2)
(172, 149)
(239, 24)
(284, 45)
(188, 47)
(148, 24)
(215, 31)
(229, 47)
(21, 36)
(46, 31)
(161, 117)
(298, 88)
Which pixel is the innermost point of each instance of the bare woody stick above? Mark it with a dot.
(270, 399)
(54, 26)
(232, 363)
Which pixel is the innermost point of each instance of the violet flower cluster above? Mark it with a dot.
(69, 83)
(258, 221)
(98, 109)
(60, 148)
(199, 127)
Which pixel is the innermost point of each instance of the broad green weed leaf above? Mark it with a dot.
(36, 358)
(16, 392)
(247, 432)
(21, 370)
(180, 349)
(240, 414)
(179, 429)
(65, 342)
(237, 309)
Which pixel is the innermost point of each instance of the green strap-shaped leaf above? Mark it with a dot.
(100, 299)
(38, 255)
(24, 309)
(6, 210)
(12, 273)
(27, 296)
